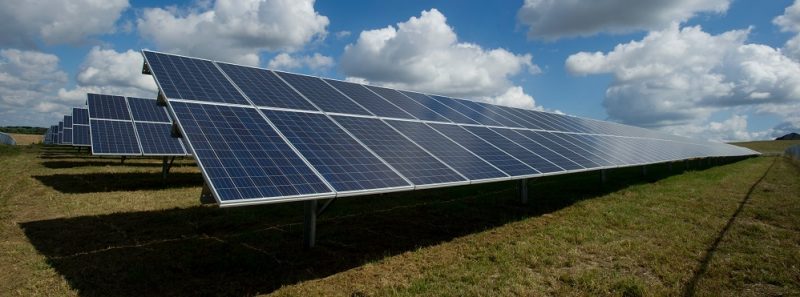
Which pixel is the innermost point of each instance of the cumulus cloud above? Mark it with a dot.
(235, 31)
(424, 54)
(27, 81)
(314, 62)
(553, 19)
(679, 76)
(732, 129)
(789, 21)
(23, 23)
(107, 71)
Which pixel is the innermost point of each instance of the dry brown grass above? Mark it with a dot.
(26, 139)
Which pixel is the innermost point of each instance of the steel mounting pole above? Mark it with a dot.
(310, 223)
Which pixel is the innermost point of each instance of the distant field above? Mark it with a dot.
(73, 225)
(25, 139)
(769, 146)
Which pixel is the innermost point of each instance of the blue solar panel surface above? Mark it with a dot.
(369, 100)
(108, 107)
(342, 161)
(67, 136)
(191, 79)
(439, 108)
(80, 135)
(67, 122)
(265, 88)
(113, 138)
(462, 160)
(411, 161)
(321, 94)
(541, 150)
(563, 148)
(80, 116)
(147, 110)
(485, 150)
(408, 105)
(460, 108)
(156, 139)
(514, 149)
(242, 156)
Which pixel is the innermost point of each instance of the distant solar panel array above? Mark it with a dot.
(118, 126)
(264, 136)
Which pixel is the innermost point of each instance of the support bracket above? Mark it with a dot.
(146, 69)
(206, 197)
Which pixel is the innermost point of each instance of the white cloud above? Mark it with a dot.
(732, 129)
(680, 76)
(789, 21)
(552, 19)
(23, 23)
(27, 81)
(342, 34)
(314, 62)
(107, 71)
(424, 54)
(516, 97)
(235, 31)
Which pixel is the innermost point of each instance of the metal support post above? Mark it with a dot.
(165, 167)
(206, 197)
(310, 223)
(670, 166)
(523, 191)
(603, 177)
(644, 170)
(122, 160)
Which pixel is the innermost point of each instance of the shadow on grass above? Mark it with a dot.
(112, 182)
(257, 249)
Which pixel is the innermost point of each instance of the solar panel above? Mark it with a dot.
(67, 122)
(264, 136)
(156, 140)
(410, 160)
(191, 79)
(67, 130)
(408, 105)
(242, 157)
(339, 158)
(111, 137)
(265, 88)
(61, 132)
(486, 150)
(147, 110)
(80, 116)
(80, 135)
(369, 100)
(321, 94)
(462, 160)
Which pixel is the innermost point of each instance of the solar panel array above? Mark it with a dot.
(263, 136)
(80, 127)
(67, 130)
(127, 126)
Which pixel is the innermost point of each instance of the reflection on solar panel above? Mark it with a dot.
(145, 128)
(264, 136)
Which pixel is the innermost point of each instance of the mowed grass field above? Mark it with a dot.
(26, 139)
(72, 224)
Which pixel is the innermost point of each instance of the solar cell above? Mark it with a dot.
(410, 106)
(191, 79)
(340, 159)
(563, 148)
(583, 149)
(80, 135)
(112, 137)
(243, 157)
(67, 136)
(264, 88)
(147, 110)
(61, 132)
(321, 94)
(460, 108)
(369, 100)
(460, 159)
(156, 139)
(439, 108)
(489, 111)
(410, 160)
(80, 116)
(108, 107)
(67, 122)
(485, 150)
(517, 151)
(548, 153)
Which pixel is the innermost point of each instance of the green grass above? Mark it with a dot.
(769, 146)
(79, 225)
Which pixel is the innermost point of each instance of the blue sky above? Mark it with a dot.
(716, 69)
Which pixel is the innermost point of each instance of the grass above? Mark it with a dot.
(769, 146)
(26, 139)
(78, 225)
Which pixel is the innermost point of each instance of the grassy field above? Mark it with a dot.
(26, 139)
(768, 147)
(78, 225)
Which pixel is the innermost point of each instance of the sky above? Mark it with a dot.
(722, 70)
